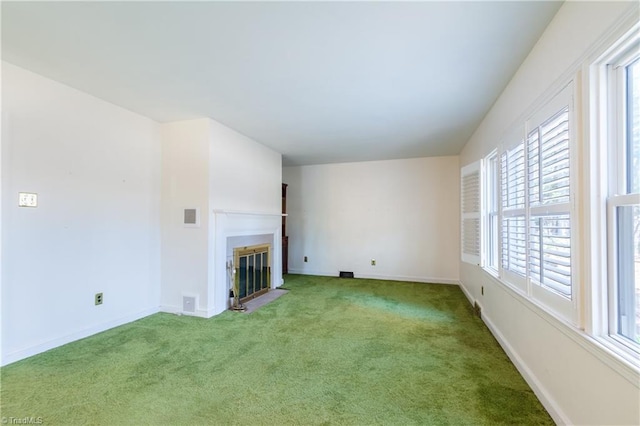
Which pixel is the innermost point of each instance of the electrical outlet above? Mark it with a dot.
(305, 259)
(98, 299)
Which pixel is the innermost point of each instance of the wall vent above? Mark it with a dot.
(346, 274)
(190, 216)
(189, 304)
(477, 310)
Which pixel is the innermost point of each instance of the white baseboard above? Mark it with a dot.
(430, 280)
(467, 294)
(177, 310)
(89, 331)
(307, 272)
(547, 401)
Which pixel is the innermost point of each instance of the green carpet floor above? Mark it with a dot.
(331, 351)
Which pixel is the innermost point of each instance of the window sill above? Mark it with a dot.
(621, 361)
(618, 348)
(491, 271)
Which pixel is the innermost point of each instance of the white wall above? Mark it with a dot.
(208, 166)
(112, 188)
(245, 175)
(577, 381)
(95, 168)
(185, 184)
(402, 213)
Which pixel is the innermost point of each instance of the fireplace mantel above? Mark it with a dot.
(241, 212)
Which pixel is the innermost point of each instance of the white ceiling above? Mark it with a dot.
(319, 82)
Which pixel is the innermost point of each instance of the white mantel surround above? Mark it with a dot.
(227, 224)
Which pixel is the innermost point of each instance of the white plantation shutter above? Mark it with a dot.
(548, 157)
(549, 191)
(514, 246)
(550, 252)
(513, 190)
(470, 180)
(535, 218)
(512, 169)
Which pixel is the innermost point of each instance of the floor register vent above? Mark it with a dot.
(477, 310)
(188, 304)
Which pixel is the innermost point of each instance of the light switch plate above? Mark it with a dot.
(27, 199)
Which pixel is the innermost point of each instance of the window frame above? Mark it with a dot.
(613, 203)
(512, 211)
(471, 212)
(607, 116)
(566, 307)
(491, 214)
(517, 208)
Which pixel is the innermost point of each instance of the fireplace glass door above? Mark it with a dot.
(253, 274)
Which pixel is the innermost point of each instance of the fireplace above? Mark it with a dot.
(251, 276)
(233, 232)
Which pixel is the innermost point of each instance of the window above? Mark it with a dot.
(538, 237)
(471, 211)
(534, 219)
(513, 235)
(622, 118)
(492, 197)
(549, 195)
(527, 220)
